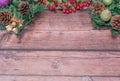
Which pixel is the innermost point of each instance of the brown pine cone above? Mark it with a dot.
(97, 7)
(5, 17)
(115, 22)
(24, 7)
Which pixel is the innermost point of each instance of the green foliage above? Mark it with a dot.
(13, 8)
(60, 1)
(98, 23)
(2, 27)
(50, 0)
(114, 32)
(96, 0)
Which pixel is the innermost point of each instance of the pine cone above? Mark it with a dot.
(24, 8)
(115, 22)
(97, 7)
(5, 17)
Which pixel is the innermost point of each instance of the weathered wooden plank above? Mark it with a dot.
(58, 21)
(55, 78)
(2, 34)
(60, 63)
(80, 40)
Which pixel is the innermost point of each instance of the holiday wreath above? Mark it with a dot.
(16, 14)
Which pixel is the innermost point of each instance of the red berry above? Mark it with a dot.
(78, 7)
(64, 11)
(66, 4)
(75, 6)
(67, 11)
(56, 3)
(84, 5)
(72, 1)
(70, 11)
(81, 5)
(61, 5)
(52, 7)
(74, 10)
(88, 5)
(88, 2)
(44, 1)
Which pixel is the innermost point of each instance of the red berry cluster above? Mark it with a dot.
(69, 6)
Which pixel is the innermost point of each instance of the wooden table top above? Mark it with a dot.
(60, 47)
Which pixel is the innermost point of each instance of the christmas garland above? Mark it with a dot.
(106, 13)
(16, 14)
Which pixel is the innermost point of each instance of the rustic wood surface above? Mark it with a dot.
(60, 47)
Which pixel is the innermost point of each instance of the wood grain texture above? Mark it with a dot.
(75, 40)
(54, 63)
(61, 22)
(43, 78)
(60, 47)
(62, 32)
